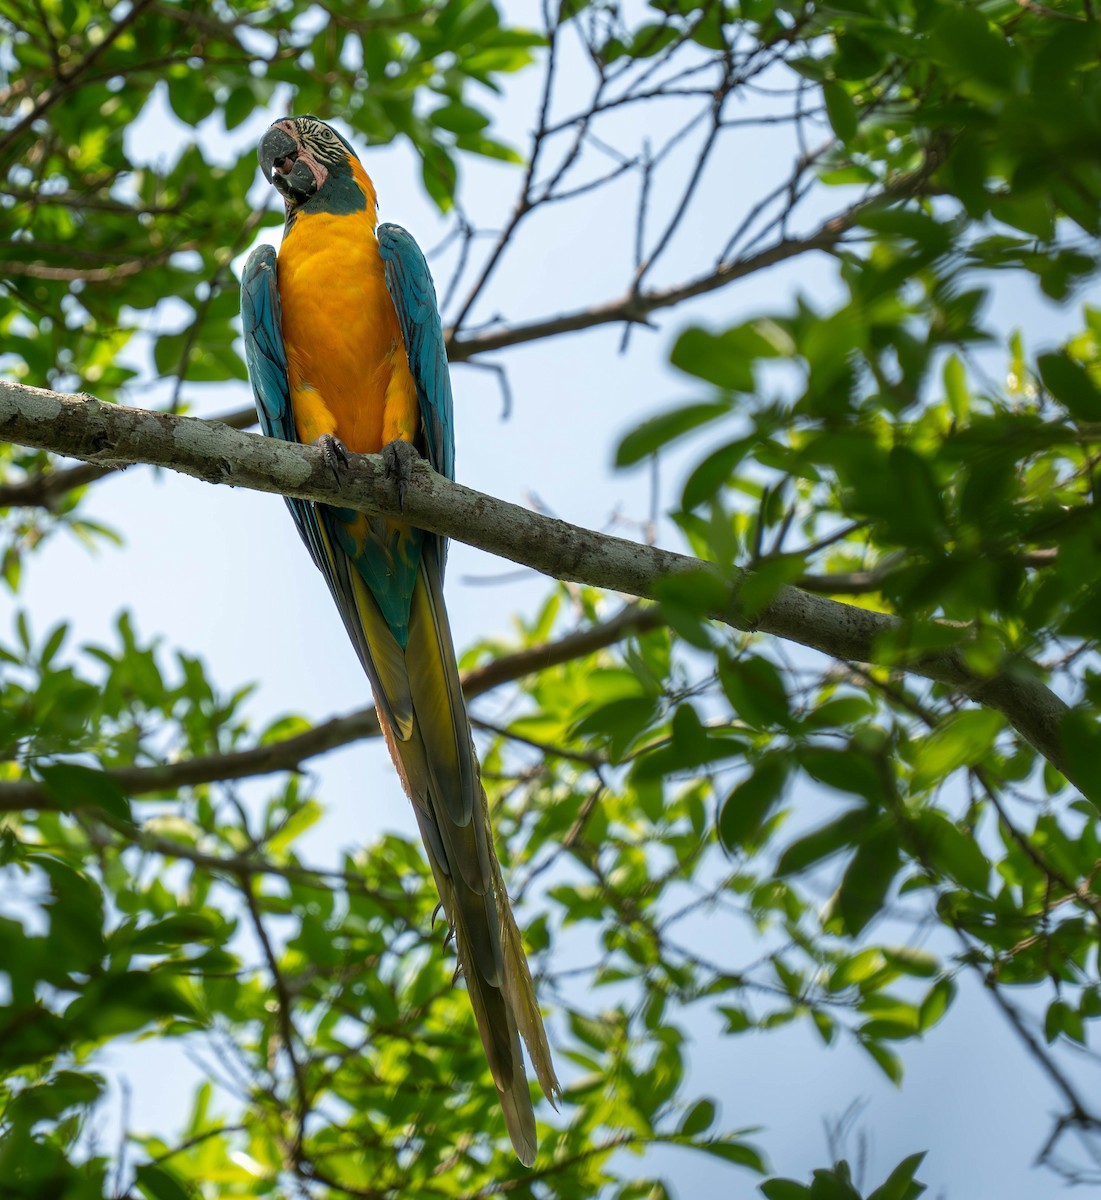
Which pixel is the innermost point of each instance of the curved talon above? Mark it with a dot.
(399, 456)
(336, 455)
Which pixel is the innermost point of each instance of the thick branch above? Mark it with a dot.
(47, 488)
(85, 428)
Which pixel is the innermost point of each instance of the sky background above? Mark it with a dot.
(221, 573)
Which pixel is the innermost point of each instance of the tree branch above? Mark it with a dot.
(290, 753)
(47, 487)
(637, 306)
(81, 427)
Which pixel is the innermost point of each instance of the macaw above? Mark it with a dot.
(345, 348)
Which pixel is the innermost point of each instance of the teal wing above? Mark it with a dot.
(266, 356)
(411, 289)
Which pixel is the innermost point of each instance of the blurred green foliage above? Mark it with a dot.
(892, 450)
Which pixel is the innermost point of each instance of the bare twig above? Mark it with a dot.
(284, 1012)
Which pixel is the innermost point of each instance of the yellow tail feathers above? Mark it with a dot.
(439, 771)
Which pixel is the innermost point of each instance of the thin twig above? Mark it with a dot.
(283, 1011)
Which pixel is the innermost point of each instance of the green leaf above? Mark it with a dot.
(785, 1189)
(839, 712)
(943, 846)
(840, 110)
(1081, 736)
(692, 745)
(955, 387)
(912, 961)
(487, 147)
(659, 431)
(917, 513)
(964, 739)
(714, 472)
(48, 1100)
(1070, 383)
(177, 929)
(652, 39)
(723, 359)
(700, 1117)
(856, 969)
(963, 39)
(733, 1152)
(887, 1061)
(295, 824)
(849, 771)
(900, 1184)
(936, 1003)
(459, 118)
(127, 1001)
(239, 106)
(619, 721)
(73, 786)
(1062, 1019)
(158, 1183)
(867, 879)
(834, 1185)
(439, 175)
(755, 689)
(748, 804)
(836, 835)
(736, 1019)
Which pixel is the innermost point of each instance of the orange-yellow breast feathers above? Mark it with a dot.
(349, 374)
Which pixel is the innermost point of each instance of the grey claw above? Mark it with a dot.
(399, 456)
(335, 454)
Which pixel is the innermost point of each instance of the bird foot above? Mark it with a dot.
(399, 457)
(336, 455)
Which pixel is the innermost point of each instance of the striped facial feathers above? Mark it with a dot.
(297, 156)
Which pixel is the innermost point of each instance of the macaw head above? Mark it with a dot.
(303, 157)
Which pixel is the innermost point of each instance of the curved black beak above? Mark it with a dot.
(278, 155)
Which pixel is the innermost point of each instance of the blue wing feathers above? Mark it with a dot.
(262, 323)
(414, 295)
(264, 352)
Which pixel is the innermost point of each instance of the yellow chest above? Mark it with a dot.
(349, 374)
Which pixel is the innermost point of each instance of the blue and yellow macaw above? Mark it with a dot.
(345, 348)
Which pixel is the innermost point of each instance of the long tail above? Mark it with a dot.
(424, 721)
